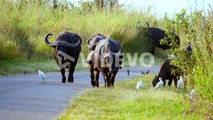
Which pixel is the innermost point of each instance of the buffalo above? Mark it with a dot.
(91, 43)
(106, 58)
(160, 38)
(167, 71)
(66, 50)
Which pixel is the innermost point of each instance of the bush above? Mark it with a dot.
(197, 67)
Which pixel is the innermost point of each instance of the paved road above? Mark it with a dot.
(23, 97)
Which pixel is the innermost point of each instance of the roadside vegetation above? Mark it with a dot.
(125, 102)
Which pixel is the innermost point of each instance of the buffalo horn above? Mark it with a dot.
(47, 41)
(88, 42)
(67, 44)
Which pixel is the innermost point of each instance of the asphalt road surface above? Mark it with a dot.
(24, 97)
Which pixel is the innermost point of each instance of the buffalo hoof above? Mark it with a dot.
(93, 83)
(71, 79)
(63, 80)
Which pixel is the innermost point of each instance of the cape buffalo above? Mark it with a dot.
(170, 39)
(91, 43)
(105, 58)
(169, 72)
(67, 47)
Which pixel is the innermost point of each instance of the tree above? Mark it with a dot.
(101, 4)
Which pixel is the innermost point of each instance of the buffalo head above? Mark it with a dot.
(91, 43)
(61, 42)
(155, 81)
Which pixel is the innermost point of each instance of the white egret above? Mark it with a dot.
(192, 94)
(139, 85)
(159, 84)
(42, 76)
(180, 82)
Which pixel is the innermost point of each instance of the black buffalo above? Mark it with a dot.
(167, 72)
(156, 35)
(67, 47)
(105, 58)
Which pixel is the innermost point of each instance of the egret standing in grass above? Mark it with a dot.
(159, 84)
(192, 94)
(180, 82)
(139, 85)
(42, 76)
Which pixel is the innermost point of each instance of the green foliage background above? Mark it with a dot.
(24, 25)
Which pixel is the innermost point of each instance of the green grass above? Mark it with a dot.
(125, 102)
(24, 36)
(27, 66)
(23, 66)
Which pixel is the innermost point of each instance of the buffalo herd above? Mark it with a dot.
(106, 55)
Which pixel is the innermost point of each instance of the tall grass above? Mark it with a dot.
(24, 24)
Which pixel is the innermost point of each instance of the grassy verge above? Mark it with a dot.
(25, 66)
(125, 102)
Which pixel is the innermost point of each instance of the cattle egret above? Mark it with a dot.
(180, 82)
(159, 84)
(139, 85)
(42, 76)
(192, 94)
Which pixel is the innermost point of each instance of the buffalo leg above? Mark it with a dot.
(175, 82)
(63, 75)
(112, 77)
(164, 82)
(170, 82)
(105, 80)
(92, 75)
(71, 71)
(97, 72)
(108, 82)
